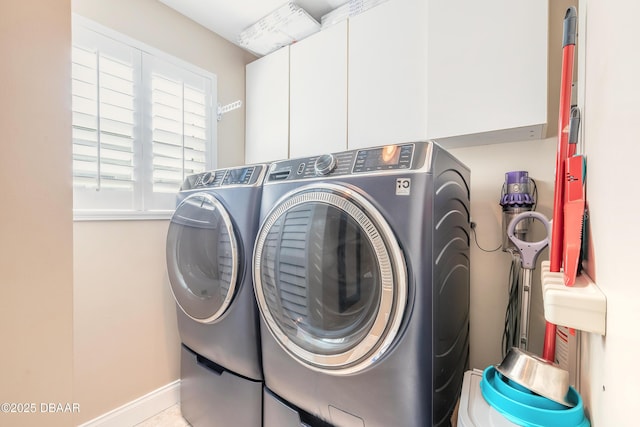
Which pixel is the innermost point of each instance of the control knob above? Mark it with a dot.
(207, 178)
(325, 164)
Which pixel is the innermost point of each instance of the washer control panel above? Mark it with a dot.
(384, 158)
(354, 162)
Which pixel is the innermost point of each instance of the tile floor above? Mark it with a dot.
(170, 417)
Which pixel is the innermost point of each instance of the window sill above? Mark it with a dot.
(80, 216)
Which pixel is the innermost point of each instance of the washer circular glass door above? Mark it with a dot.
(202, 257)
(330, 278)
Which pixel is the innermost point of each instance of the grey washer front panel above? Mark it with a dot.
(417, 380)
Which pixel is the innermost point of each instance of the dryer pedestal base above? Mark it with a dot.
(213, 397)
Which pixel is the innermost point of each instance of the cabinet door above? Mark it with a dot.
(267, 108)
(464, 72)
(388, 74)
(318, 93)
(487, 65)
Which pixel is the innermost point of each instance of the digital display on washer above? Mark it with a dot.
(384, 158)
(387, 156)
(238, 176)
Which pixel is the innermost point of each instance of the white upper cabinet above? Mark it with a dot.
(267, 108)
(488, 61)
(463, 72)
(318, 93)
(388, 74)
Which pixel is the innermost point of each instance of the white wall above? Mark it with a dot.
(35, 216)
(126, 341)
(611, 113)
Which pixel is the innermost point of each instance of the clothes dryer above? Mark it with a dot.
(209, 247)
(361, 273)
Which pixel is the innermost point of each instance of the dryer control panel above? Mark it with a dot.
(388, 158)
(245, 175)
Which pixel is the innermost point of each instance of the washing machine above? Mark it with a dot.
(361, 274)
(209, 249)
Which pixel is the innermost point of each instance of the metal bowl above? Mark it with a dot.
(536, 374)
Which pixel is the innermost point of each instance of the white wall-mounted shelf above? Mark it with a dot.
(582, 306)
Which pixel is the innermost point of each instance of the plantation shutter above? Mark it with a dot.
(181, 115)
(103, 90)
(142, 121)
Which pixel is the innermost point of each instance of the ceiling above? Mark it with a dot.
(229, 17)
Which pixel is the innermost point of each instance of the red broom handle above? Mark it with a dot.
(557, 235)
(549, 346)
(555, 256)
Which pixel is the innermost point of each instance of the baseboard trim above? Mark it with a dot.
(140, 409)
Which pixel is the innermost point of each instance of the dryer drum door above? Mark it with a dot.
(330, 278)
(202, 257)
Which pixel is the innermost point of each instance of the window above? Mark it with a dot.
(142, 121)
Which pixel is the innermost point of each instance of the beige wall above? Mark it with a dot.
(489, 163)
(490, 271)
(607, 95)
(36, 293)
(126, 340)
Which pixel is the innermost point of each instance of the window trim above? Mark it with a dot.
(212, 155)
